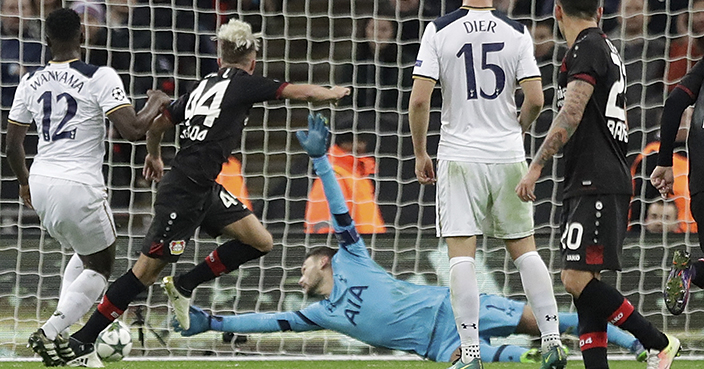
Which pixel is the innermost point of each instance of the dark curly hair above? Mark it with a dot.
(321, 251)
(63, 25)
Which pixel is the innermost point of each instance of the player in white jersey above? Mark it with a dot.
(68, 101)
(479, 56)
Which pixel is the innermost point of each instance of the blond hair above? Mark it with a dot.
(236, 41)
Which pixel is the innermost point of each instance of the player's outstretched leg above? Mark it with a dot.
(45, 348)
(180, 302)
(678, 282)
(663, 359)
(85, 355)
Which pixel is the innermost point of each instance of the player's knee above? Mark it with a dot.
(575, 281)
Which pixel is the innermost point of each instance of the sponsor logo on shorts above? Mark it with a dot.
(573, 257)
(177, 247)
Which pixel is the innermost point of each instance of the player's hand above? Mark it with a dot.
(424, 170)
(200, 322)
(662, 178)
(340, 92)
(158, 97)
(526, 187)
(315, 141)
(153, 168)
(26, 196)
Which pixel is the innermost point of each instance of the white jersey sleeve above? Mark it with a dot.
(110, 93)
(20, 113)
(527, 65)
(428, 62)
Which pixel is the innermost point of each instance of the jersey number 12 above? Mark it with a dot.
(71, 107)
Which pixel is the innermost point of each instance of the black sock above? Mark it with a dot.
(116, 300)
(226, 258)
(617, 310)
(698, 279)
(592, 336)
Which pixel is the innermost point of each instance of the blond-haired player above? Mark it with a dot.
(212, 118)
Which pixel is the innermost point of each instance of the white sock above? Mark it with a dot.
(537, 285)
(74, 268)
(75, 302)
(464, 296)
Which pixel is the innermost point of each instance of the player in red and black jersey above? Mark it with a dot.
(686, 93)
(212, 116)
(591, 125)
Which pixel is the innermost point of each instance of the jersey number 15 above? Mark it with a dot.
(499, 74)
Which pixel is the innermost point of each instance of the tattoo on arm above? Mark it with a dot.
(567, 120)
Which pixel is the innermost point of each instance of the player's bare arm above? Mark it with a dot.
(314, 93)
(16, 157)
(418, 118)
(563, 127)
(132, 126)
(532, 103)
(153, 165)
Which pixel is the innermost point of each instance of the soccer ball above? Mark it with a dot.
(114, 342)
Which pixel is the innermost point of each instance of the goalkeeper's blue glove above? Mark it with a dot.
(315, 141)
(200, 322)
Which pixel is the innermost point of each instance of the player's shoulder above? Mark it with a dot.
(87, 70)
(511, 23)
(449, 18)
(590, 39)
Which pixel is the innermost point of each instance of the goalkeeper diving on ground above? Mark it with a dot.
(365, 302)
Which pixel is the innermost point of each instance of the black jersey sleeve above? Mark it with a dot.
(257, 89)
(684, 95)
(587, 62)
(177, 110)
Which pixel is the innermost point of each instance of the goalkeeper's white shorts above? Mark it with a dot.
(477, 198)
(75, 214)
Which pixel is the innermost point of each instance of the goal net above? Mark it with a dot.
(369, 45)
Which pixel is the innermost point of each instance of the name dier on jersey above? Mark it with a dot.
(480, 25)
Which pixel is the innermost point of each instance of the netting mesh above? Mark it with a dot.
(370, 46)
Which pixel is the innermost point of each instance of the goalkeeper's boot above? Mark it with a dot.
(476, 363)
(663, 359)
(179, 302)
(45, 348)
(85, 355)
(677, 285)
(640, 351)
(554, 358)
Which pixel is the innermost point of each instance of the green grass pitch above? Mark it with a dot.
(351, 364)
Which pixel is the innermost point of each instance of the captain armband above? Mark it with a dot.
(347, 237)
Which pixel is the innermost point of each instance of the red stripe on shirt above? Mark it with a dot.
(586, 78)
(685, 89)
(281, 89)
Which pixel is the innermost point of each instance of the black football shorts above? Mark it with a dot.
(181, 206)
(593, 228)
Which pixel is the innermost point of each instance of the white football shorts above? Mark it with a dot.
(75, 214)
(479, 198)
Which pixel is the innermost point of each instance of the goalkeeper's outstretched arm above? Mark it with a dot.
(202, 321)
